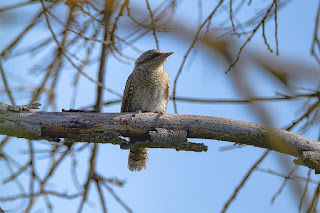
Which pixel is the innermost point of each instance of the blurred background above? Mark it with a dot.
(255, 61)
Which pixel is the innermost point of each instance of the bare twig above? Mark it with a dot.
(102, 199)
(305, 190)
(231, 19)
(70, 61)
(32, 179)
(153, 24)
(15, 6)
(253, 99)
(310, 110)
(250, 37)
(316, 42)
(125, 206)
(90, 177)
(293, 177)
(274, 197)
(16, 41)
(265, 38)
(244, 180)
(315, 200)
(37, 194)
(109, 7)
(195, 39)
(5, 82)
(276, 25)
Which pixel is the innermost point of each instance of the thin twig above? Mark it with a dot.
(223, 101)
(188, 52)
(293, 177)
(37, 194)
(15, 6)
(102, 199)
(5, 82)
(274, 197)
(32, 48)
(315, 199)
(68, 58)
(117, 197)
(265, 38)
(104, 53)
(16, 41)
(250, 37)
(32, 180)
(316, 41)
(231, 19)
(233, 101)
(305, 115)
(90, 176)
(244, 180)
(53, 168)
(305, 190)
(152, 24)
(276, 25)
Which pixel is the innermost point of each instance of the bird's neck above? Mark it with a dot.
(149, 70)
(149, 74)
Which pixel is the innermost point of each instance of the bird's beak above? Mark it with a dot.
(164, 57)
(168, 54)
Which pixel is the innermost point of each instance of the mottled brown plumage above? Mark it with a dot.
(146, 90)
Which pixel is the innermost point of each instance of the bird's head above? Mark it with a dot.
(152, 59)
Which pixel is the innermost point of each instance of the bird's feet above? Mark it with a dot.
(142, 111)
(159, 112)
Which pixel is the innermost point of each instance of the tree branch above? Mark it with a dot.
(108, 127)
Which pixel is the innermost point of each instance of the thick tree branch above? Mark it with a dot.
(107, 127)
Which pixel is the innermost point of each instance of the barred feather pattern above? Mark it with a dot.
(147, 90)
(138, 159)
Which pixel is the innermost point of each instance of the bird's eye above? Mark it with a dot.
(147, 56)
(154, 55)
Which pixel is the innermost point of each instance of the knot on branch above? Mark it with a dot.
(166, 138)
(310, 159)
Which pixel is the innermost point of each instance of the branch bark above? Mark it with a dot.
(108, 127)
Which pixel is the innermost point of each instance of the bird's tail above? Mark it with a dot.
(137, 159)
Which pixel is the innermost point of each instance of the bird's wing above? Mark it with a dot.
(167, 89)
(127, 95)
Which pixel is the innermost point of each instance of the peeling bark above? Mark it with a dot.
(170, 128)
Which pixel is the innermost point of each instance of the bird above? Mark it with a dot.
(146, 90)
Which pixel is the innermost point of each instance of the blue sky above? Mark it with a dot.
(178, 181)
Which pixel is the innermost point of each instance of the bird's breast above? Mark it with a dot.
(149, 96)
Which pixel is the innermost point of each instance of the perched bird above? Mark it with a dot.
(146, 90)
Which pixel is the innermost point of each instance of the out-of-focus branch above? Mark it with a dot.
(233, 196)
(196, 37)
(305, 190)
(69, 59)
(252, 34)
(108, 11)
(316, 42)
(90, 177)
(17, 39)
(5, 82)
(153, 24)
